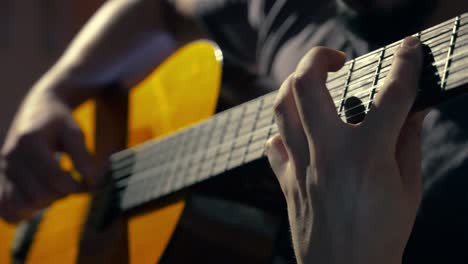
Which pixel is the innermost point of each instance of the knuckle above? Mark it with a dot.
(300, 82)
(283, 95)
(279, 107)
(310, 65)
(28, 139)
(318, 52)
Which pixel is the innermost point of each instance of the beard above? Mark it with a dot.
(381, 26)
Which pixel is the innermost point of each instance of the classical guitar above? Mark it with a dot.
(136, 215)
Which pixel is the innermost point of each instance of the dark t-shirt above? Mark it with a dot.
(269, 37)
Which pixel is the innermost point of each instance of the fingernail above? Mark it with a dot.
(410, 42)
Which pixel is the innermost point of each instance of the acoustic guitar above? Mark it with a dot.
(144, 212)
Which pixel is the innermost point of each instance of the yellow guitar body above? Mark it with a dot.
(180, 92)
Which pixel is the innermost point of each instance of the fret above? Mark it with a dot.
(240, 151)
(251, 112)
(254, 155)
(260, 134)
(266, 112)
(450, 52)
(246, 130)
(242, 141)
(220, 164)
(226, 147)
(345, 89)
(376, 79)
(253, 107)
(257, 144)
(163, 174)
(262, 123)
(180, 178)
(362, 77)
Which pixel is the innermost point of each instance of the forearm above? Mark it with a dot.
(122, 41)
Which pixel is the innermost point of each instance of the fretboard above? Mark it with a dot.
(235, 137)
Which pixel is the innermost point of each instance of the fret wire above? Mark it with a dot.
(376, 79)
(345, 90)
(451, 49)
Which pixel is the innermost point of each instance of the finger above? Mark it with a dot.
(408, 152)
(277, 154)
(24, 179)
(316, 108)
(48, 170)
(73, 143)
(392, 105)
(290, 126)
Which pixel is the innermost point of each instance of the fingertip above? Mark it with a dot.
(319, 61)
(340, 63)
(411, 42)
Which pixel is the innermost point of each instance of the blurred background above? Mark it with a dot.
(33, 33)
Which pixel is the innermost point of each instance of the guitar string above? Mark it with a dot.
(270, 128)
(426, 38)
(370, 75)
(430, 33)
(185, 184)
(349, 110)
(233, 140)
(396, 44)
(371, 56)
(382, 83)
(361, 113)
(260, 131)
(461, 81)
(387, 64)
(390, 49)
(256, 131)
(367, 91)
(218, 146)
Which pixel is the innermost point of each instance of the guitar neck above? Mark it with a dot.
(235, 137)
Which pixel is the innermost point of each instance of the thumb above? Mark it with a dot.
(73, 143)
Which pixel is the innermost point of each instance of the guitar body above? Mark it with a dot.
(181, 92)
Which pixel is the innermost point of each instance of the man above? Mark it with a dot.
(126, 39)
